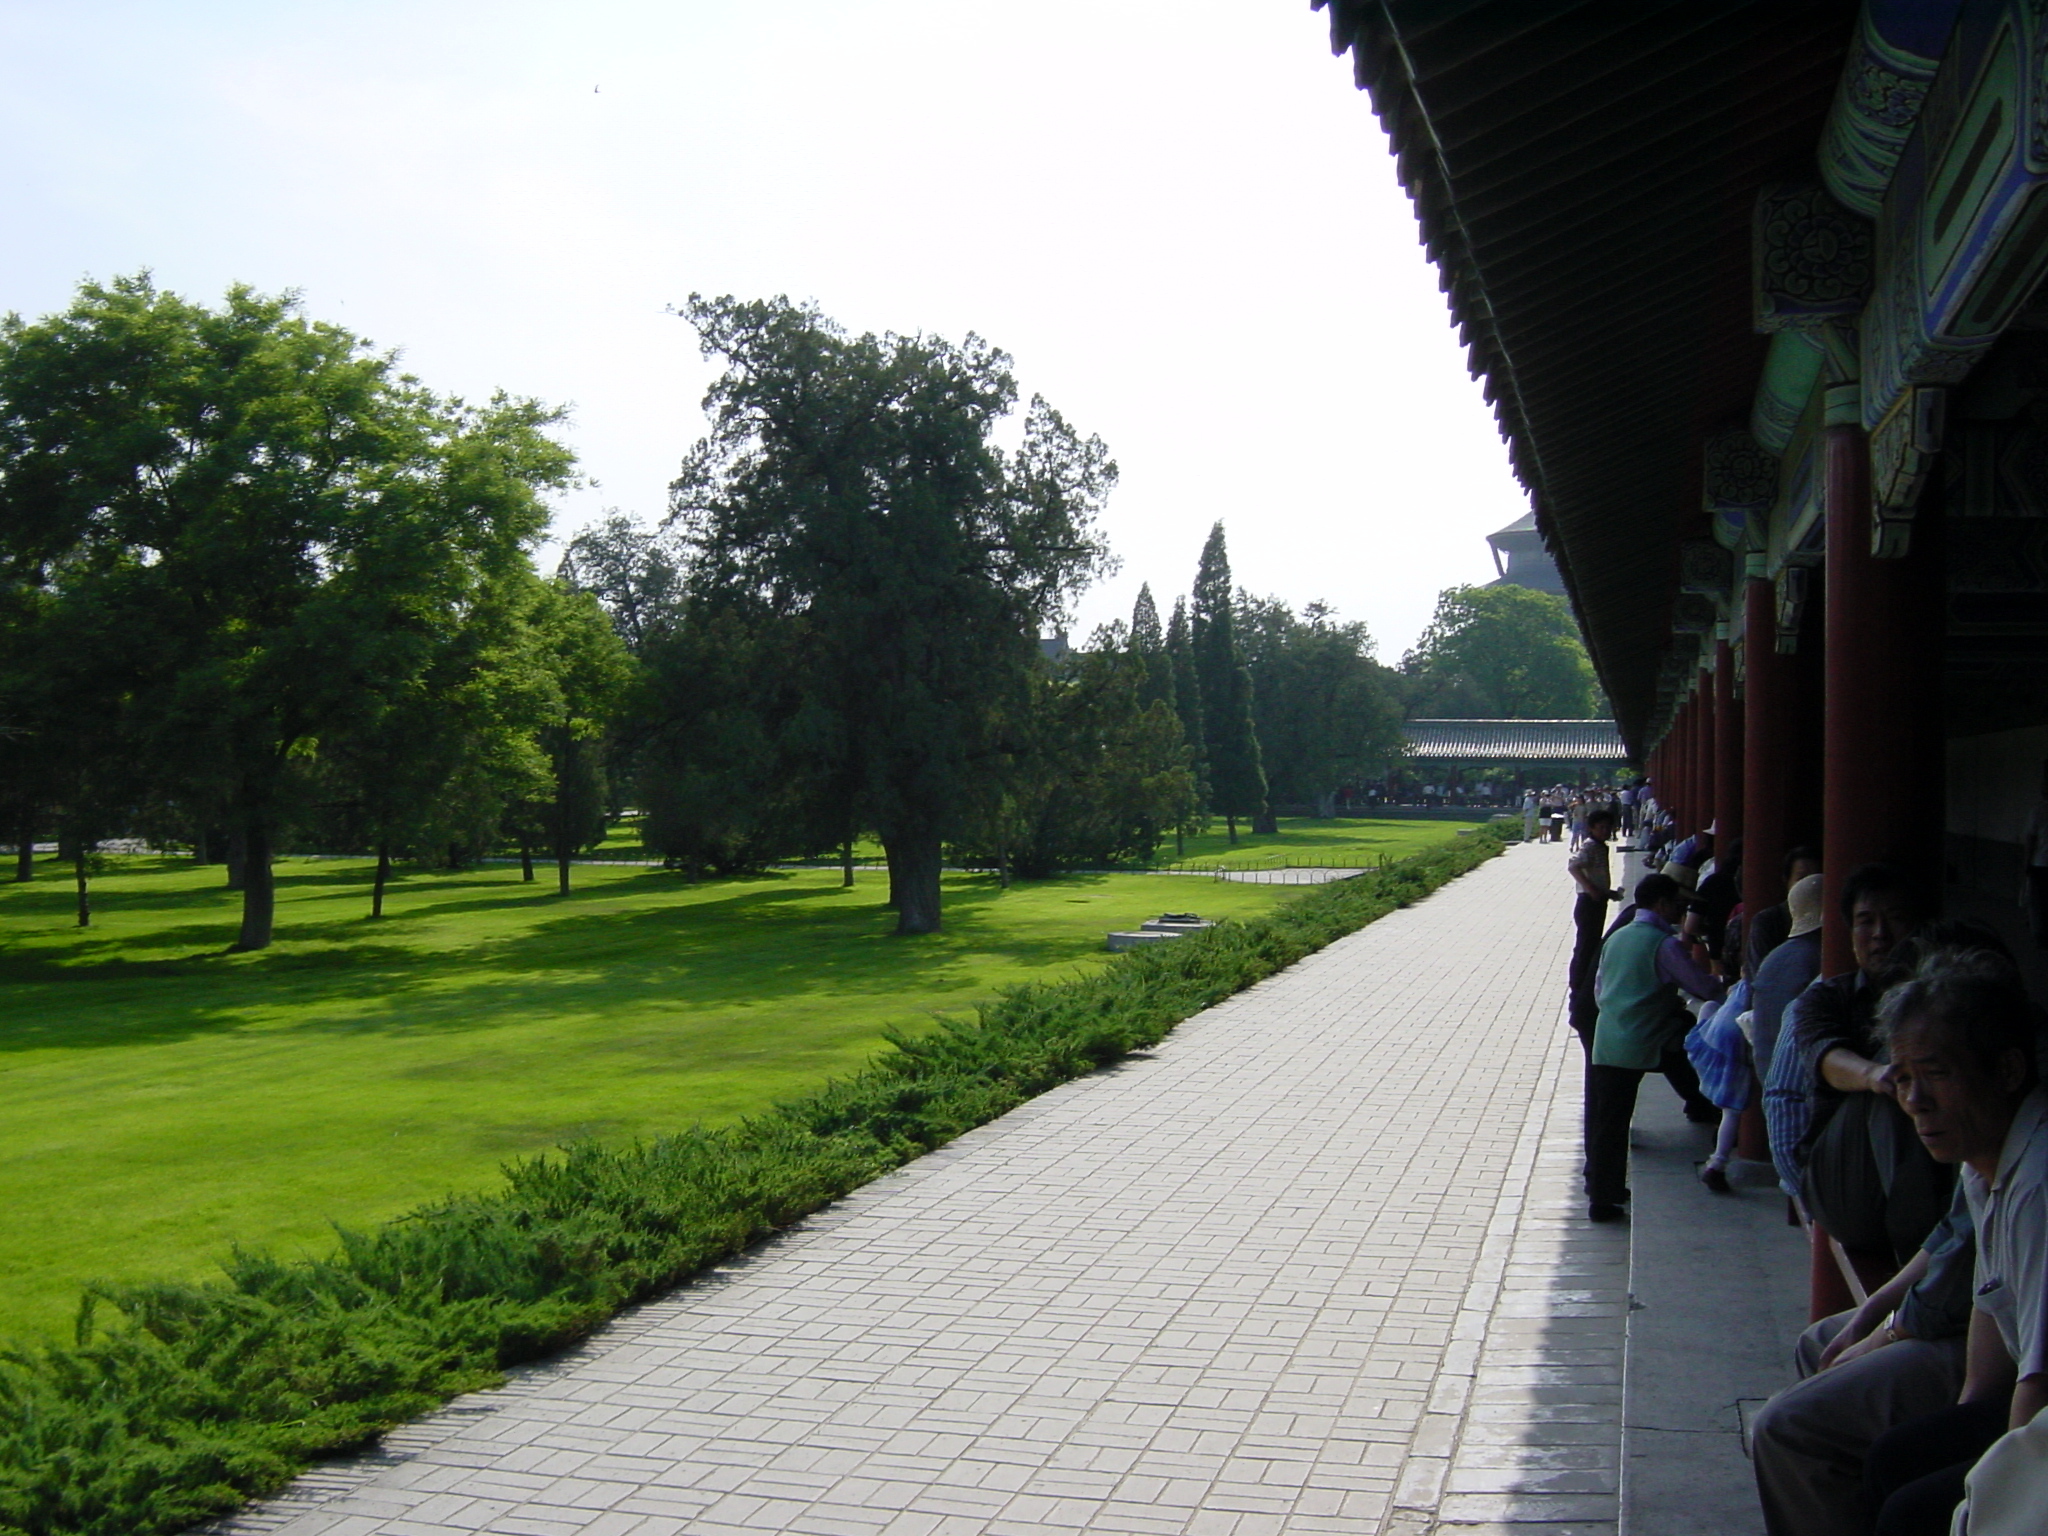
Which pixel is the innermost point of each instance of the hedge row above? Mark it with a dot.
(195, 1397)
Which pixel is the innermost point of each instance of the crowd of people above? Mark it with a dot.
(1907, 1119)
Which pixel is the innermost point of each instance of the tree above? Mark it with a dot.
(1187, 703)
(1326, 712)
(1094, 776)
(635, 573)
(852, 482)
(1237, 780)
(587, 671)
(269, 514)
(1148, 644)
(739, 767)
(435, 759)
(1500, 652)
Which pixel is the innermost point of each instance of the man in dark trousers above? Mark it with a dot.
(1644, 966)
(1593, 888)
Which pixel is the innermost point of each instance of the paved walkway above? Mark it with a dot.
(1315, 1265)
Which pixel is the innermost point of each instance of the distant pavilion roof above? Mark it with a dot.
(1540, 741)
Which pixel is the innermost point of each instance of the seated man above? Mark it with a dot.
(1962, 1039)
(1895, 1358)
(1841, 1144)
(1641, 1028)
(1773, 925)
(1786, 970)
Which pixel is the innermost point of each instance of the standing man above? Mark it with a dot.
(1593, 888)
(1643, 967)
(1628, 809)
(1528, 815)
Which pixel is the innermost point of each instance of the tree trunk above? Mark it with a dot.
(562, 852)
(383, 875)
(526, 859)
(238, 858)
(1231, 823)
(1180, 843)
(1003, 868)
(79, 855)
(25, 845)
(199, 853)
(1265, 823)
(914, 880)
(846, 864)
(259, 887)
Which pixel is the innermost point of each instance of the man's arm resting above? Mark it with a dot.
(1847, 1072)
(1989, 1368)
(1867, 1318)
(2028, 1399)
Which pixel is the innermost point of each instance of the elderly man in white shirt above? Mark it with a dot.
(1962, 1041)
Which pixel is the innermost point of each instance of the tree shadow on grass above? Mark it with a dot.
(780, 946)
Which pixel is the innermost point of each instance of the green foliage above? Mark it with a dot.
(738, 766)
(1187, 697)
(1237, 777)
(1500, 652)
(257, 535)
(205, 1394)
(853, 484)
(1094, 776)
(1326, 713)
(636, 575)
(589, 673)
(1148, 644)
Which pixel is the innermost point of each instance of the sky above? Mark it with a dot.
(1182, 222)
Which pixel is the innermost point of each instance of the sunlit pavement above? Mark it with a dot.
(1316, 1264)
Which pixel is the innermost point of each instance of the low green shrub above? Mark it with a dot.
(199, 1396)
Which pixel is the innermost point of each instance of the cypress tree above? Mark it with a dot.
(1148, 644)
(1187, 695)
(1237, 778)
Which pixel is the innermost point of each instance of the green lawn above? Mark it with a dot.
(1358, 840)
(160, 1100)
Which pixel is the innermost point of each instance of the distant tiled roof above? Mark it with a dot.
(1576, 741)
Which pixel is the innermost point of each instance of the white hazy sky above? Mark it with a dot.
(1181, 220)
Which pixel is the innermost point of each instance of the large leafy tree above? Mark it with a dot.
(633, 571)
(1500, 652)
(853, 483)
(1326, 712)
(587, 674)
(1094, 775)
(1237, 778)
(434, 759)
(269, 515)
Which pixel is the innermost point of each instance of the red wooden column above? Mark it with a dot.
(1703, 754)
(1770, 724)
(1682, 769)
(1728, 787)
(1695, 727)
(1883, 748)
(1681, 723)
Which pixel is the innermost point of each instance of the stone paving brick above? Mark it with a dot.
(1313, 1265)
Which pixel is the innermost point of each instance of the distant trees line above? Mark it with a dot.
(261, 589)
